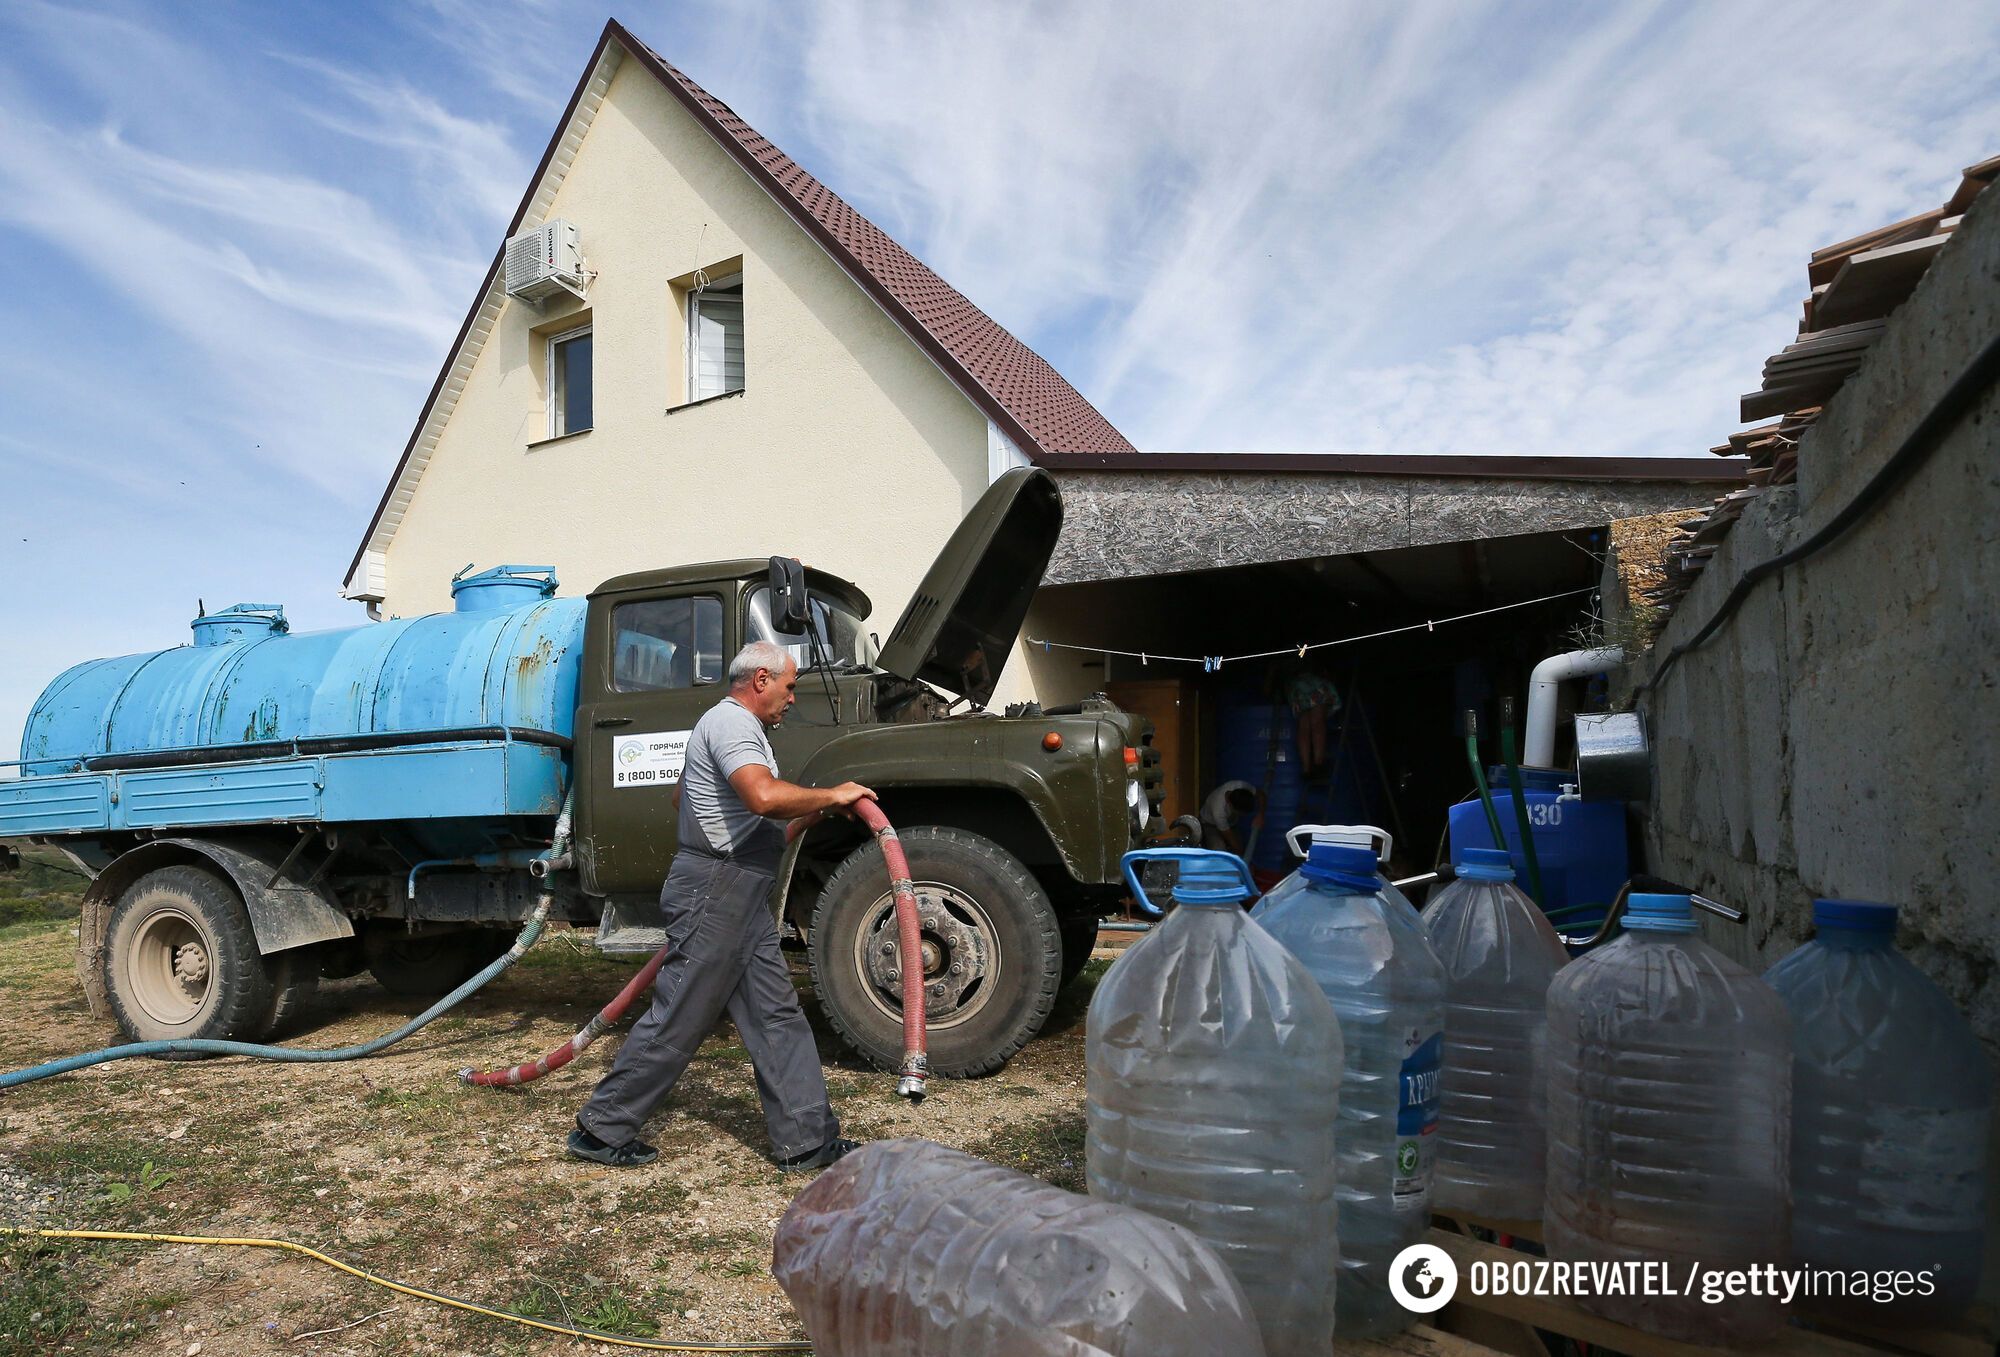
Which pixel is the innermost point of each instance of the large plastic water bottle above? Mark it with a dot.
(1369, 955)
(1302, 838)
(1891, 1099)
(1670, 1082)
(905, 1248)
(1214, 1085)
(1499, 954)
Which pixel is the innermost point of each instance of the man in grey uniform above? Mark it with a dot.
(722, 938)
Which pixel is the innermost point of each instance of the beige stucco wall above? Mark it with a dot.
(848, 448)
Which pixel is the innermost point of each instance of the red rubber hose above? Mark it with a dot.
(916, 1061)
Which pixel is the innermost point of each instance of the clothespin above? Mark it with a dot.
(1302, 652)
(1210, 663)
(1430, 625)
(1142, 659)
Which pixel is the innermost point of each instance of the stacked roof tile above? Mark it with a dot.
(1855, 285)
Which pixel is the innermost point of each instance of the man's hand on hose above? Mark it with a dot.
(845, 795)
(781, 800)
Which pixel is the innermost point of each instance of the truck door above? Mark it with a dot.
(653, 665)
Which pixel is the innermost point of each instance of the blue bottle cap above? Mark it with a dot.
(1866, 916)
(1660, 913)
(1485, 864)
(1212, 879)
(1349, 868)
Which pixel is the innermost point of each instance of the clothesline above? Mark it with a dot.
(1211, 663)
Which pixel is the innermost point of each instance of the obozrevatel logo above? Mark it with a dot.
(631, 751)
(1423, 1278)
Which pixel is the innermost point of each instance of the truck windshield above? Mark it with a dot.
(847, 644)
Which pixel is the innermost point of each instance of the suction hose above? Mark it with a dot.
(287, 1054)
(916, 1060)
(531, 931)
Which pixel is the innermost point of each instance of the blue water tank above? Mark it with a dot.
(1579, 845)
(508, 658)
(1257, 743)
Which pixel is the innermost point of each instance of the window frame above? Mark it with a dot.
(558, 395)
(695, 599)
(692, 341)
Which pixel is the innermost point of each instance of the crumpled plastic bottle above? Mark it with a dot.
(908, 1249)
(1214, 1085)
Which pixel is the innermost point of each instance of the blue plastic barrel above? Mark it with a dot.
(1579, 845)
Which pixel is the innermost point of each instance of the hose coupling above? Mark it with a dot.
(542, 868)
(911, 1078)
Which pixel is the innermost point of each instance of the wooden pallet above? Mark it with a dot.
(1507, 1324)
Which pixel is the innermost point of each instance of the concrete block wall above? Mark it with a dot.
(1841, 735)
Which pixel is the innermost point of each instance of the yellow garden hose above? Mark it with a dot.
(285, 1245)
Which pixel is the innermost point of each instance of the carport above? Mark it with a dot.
(1184, 585)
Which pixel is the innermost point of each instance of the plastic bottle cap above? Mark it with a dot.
(1866, 916)
(1333, 864)
(1210, 883)
(1660, 913)
(1486, 864)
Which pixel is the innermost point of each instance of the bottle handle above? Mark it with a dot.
(1300, 849)
(1138, 855)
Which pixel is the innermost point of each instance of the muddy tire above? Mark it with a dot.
(294, 981)
(181, 960)
(1079, 939)
(984, 913)
(422, 965)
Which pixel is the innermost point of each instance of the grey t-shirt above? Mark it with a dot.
(713, 817)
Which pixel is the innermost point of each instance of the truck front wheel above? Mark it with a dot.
(181, 960)
(992, 952)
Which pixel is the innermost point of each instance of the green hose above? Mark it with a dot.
(1521, 807)
(1479, 778)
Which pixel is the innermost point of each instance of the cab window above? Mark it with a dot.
(666, 643)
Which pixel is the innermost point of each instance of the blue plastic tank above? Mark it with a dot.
(508, 657)
(1892, 1098)
(1579, 845)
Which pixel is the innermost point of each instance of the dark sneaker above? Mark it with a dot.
(631, 1155)
(831, 1152)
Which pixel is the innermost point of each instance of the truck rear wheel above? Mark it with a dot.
(993, 952)
(424, 965)
(181, 960)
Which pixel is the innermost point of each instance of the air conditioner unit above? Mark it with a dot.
(545, 262)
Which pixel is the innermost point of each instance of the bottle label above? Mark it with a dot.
(1920, 1169)
(1416, 1119)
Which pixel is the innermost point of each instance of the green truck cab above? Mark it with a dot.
(1014, 823)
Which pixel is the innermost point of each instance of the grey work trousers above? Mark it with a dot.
(724, 955)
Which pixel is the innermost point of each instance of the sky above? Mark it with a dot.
(239, 237)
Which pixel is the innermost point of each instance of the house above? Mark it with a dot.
(735, 305)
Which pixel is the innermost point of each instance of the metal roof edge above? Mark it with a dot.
(1572, 467)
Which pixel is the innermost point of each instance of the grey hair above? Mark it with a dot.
(757, 655)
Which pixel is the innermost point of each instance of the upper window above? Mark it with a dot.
(569, 382)
(847, 644)
(715, 338)
(666, 643)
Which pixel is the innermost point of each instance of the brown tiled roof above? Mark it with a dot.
(1013, 384)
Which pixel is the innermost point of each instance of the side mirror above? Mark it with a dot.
(791, 607)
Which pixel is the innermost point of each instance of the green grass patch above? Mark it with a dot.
(40, 1301)
(46, 886)
(1049, 1147)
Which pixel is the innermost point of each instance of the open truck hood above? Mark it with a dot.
(964, 617)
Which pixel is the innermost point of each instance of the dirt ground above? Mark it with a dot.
(393, 1165)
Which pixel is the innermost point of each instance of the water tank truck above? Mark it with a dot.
(260, 808)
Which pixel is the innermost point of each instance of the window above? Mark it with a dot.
(847, 644)
(715, 338)
(569, 382)
(666, 643)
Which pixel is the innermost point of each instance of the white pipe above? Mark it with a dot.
(1540, 751)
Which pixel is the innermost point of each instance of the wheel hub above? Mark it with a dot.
(191, 965)
(956, 955)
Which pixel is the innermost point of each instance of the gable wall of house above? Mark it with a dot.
(847, 448)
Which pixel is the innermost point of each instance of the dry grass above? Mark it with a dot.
(394, 1165)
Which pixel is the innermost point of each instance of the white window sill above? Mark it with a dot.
(559, 438)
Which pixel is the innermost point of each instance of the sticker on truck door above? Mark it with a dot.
(649, 760)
